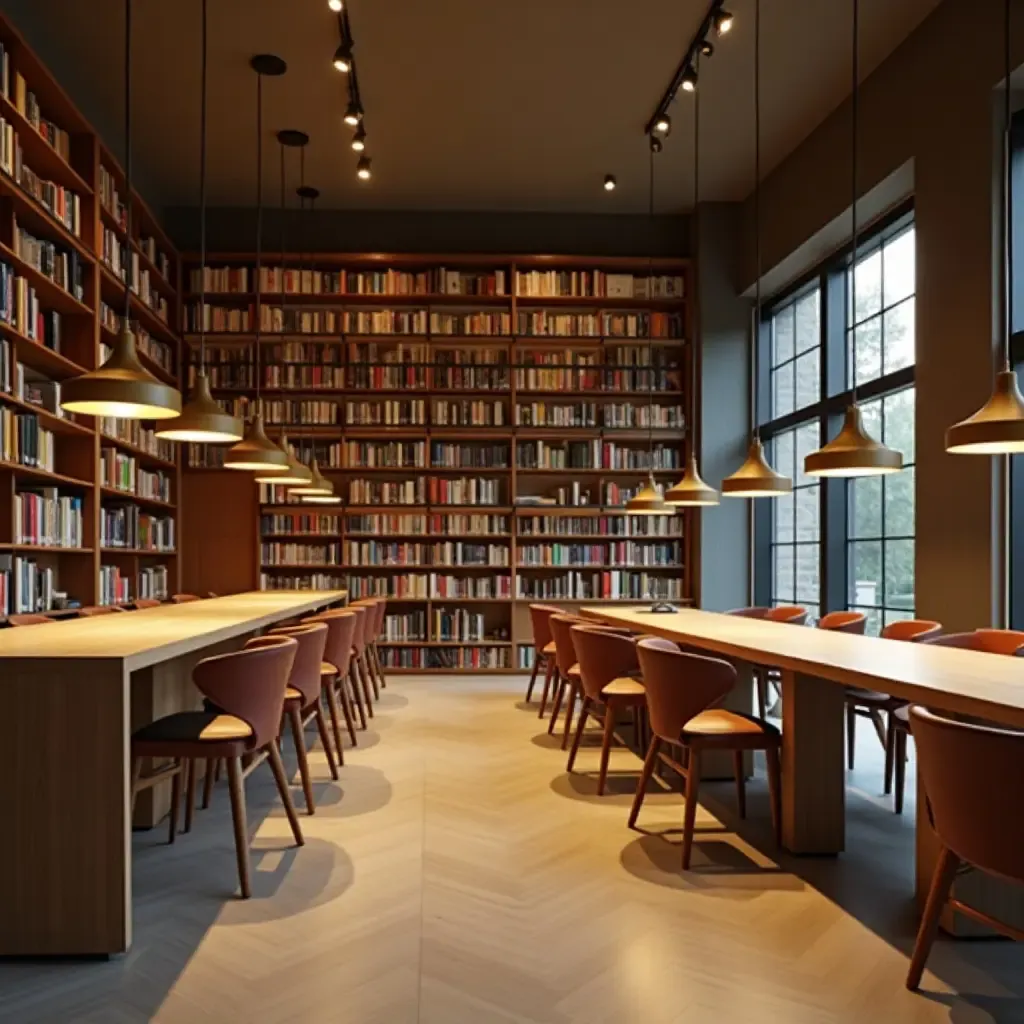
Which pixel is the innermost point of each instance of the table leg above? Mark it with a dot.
(813, 782)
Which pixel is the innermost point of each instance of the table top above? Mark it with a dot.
(152, 635)
(990, 686)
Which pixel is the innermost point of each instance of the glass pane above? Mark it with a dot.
(865, 507)
(868, 344)
(784, 453)
(899, 574)
(807, 441)
(899, 336)
(865, 574)
(782, 391)
(782, 336)
(782, 573)
(898, 268)
(871, 414)
(807, 379)
(874, 620)
(783, 521)
(869, 286)
(808, 572)
(808, 322)
(899, 423)
(899, 504)
(808, 513)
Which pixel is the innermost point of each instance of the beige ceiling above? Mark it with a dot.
(470, 104)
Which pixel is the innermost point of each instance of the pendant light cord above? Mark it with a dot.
(854, 134)
(284, 257)
(1007, 184)
(128, 162)
(202, 205)
(650, 331)
(756, 333)
(259, 229)
(692, 397)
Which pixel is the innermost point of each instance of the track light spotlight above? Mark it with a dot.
(343, 58)
(663, 124)
(609, 183)
(359, 139)
(723, 21)
(655, 144)
(353, 113)
(707, 49)
(363, 168)
(689, 82)
(335, 5)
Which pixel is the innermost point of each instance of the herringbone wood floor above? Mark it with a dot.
(456, 876)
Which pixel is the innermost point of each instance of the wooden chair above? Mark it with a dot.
(972, 781)
(543, 650)
(608, 668)
(764, 675)
(29, 619)
(98, 609)
(146, 602)
(566, 679)
(339, 690)
(872, 705)
(184, 598)
(247, 688)
(364, 641)
(376, 630)
(682, 690)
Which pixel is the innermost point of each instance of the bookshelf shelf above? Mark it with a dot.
(64, 549)
(33, 215)
(137, 552)
(38, 356)
(36, 473)
(50, 293)
(39, 154)
(51, 421)
(145, 458)
(136, 499)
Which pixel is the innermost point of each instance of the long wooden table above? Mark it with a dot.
(71, 694)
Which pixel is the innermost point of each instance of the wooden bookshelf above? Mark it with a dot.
(400, 397)
(52, 222)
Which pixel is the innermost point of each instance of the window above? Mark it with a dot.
(796, 355)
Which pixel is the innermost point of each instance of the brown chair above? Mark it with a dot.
(543, 650)
(247, 689)
(764, 675)
(184, 598)
(336, 674)
(98, 609)
(146, 602)
(364, 640)
(682, 690)
(566, 679)
(844, 622)
(29, 619)
(871, 704)
(960, 762)
(608, 666)
(373, 658)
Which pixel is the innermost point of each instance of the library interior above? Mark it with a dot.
(463, 449)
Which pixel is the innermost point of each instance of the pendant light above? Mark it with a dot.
(202, 420)
(853, 452)
(691, 491)
(256, 451)
(997, 428)
(756, 478)
(122, 386)
(648, 500)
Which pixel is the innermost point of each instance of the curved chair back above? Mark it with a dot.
(341, 627)
(368, 621)
(382, 611)
(184, 598)
(561, 632)
(753, 612)
(146, 602)
(990, 641)
(603, 656)
(98, 609)
(312, 640)
(914, 630)
(793, 613)
(29, 619)
(250, 684)
(958, 762)
(680, 685)
(362, 613)
(540, 621)
(844, 622)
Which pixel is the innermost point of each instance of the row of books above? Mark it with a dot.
(444, 553)
(573, 379)
(300, 522)
(152, 582)
(25, 586)
(421, 491)
(444, 658)
(571, 495)
(24, 442)
(27, 104)
(430, 586)
(613, 553)
(20, 307)
(597, 284)
(114, 586)
(594, 454)
(156, 255)
(122, 262)
(468, 413)
(127, 526)
(413, 455)
(48, 518)
(544, 323)
(461, 625)
(133, 432)
(111, 198)
(611, 415)
(403, 627)
(123, 473)
(64, 205)
(6, 376)
(279, 553)
(158, 351)
(611, 585)
(443, 524)
(617, 525)
(60, 265)
(311, 581)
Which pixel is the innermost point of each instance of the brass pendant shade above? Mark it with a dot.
(321, 499)
(295, 472)
(316, 485)
(997, 428)
(256, 452)
(202, 420)
(853, 452)
(121, 387)
(691, 491)
(647, 501)
(755, 478)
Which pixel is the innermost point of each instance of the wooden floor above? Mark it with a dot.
(457, 876)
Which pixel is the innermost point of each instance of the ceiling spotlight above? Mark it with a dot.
(663, 124)
(353, 114)
(609, 183)
(359, 139)
(335, 5)
(706, 48)
(722, 21)
(363, 168)
(689, 83)
(655, 144)
(343, 58)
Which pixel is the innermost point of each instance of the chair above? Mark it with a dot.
(29, 619)
(358, 668)
(990, 641)
(146, 602)
(98, 609)
(543, 650)
(335, 673)
(765, 675)
(566, 678)
(681, 691)
(373, 659)
(607, 667)
(184, 598)
(844, 622)
(972, 780)
(247, 690)
(368, 633)
(872, 705)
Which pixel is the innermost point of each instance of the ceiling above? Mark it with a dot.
(470, 104)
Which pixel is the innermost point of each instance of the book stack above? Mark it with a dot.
(62, 266)
(25, 586)
(24, 441)
(20, 307)
(152, 583)
(48, 518)
(113, 586)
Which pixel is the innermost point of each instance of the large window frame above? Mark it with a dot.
(829, 279)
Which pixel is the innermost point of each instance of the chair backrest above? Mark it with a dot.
(250, 684)
(990, 641)
(603, 656)
(98, 609)
(184, 598)
(680, 685)
(844, 622)
(146, 602)
(382, 611)
(914, 630)
(341, 626)
(29, 619)
(540, 620)
(368, 621)
(312, 640)
(561, 632)
(362, 613)
(973, 780)
(792, 613)
(753, 612)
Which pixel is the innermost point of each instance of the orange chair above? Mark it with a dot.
(184, 598)
(146, 602)
(98, 609)
(543, 650)
(29, 619)
(765, 676)
(844, 622)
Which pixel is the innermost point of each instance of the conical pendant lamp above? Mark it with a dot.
(202, 420)
(853, 452)
(122, 386)
(648, 501)
(295, 474)
(256, 451)
(691, 491)
(997, 428)
(756, 478)
(317, 483)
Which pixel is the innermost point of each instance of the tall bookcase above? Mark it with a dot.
(84, 503)
(448, 398)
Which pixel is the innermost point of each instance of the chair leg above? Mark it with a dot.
(584, 712)
(354, 686)
(237, 789)
(775, 791)
(369, 679)
(136, 775)
(533, 676)
(570, 712)
(295, 715)
(900, 766)
(332, 707)
(175, 801)
(606, 745)
(761, 675)
(851, 735)
(645, 776)
(380, 667)
(277, 767)
(938, 893)
(365, 685)
(890, 753)
(325, 740)
(190, 792)
(216, 769)
(690, 811)
(560, 685)
(741, 781)
(208, 782)
(549, 672)
(345, 699)
(876, 721)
